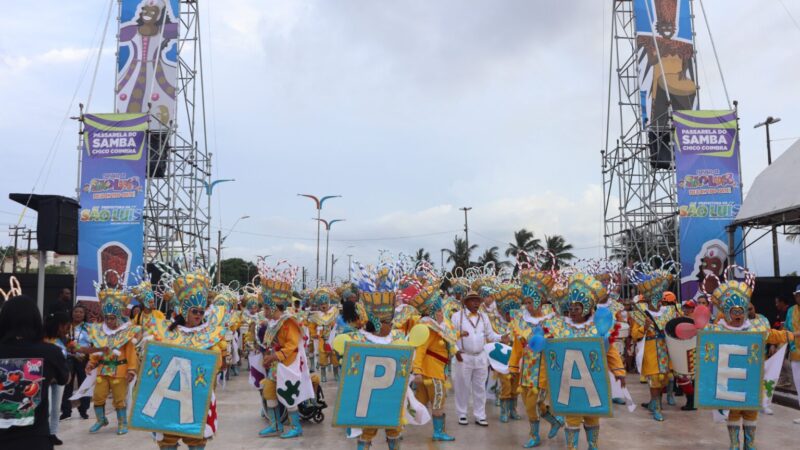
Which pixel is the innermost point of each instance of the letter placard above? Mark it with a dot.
(173, 389)
(730, 368)
(373, 386)
(578, 376)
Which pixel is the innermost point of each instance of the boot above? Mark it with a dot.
(297, 429)
(689, 406)
(394, 444)
(197, 447)
(100, 413)
(336, 373)
(671, 392)
(572, 435)
(324, 376)
(498, 402)
(364, 445)
(122, 421)
(733, 435)
(275, 425)
(555, 424)
(749, 437)
(504, 406)
(535, 440)
(592, 433)
(655, 408)
(170, 447)
(438, 430)
(512, 413)
(235, 370)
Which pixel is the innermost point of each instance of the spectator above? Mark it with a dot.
(56, 330)
(22, 344)
(61, 304)
(782, 304)
(77, 359)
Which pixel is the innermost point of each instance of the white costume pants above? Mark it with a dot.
(796, 376)
(469, 380)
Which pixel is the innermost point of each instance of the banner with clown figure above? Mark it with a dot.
(730, 370)
(578, 375)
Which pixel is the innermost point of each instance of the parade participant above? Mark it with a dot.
(149, 313)
(651, 317)
(195, 326)
(733, 299)
(431, 358)
(507, 297)
(320, 324)
(525, 363)
(281, 338)
(117, 361)
(792, 324)
(686, 383)
(225, 297)
(251, 317)
(583, 294)
(471, 368)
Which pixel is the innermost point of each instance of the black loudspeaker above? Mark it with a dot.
(57, 225)
(158, 149)
(661, 155)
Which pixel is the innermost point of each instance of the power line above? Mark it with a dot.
(298, 238)
(789, 13)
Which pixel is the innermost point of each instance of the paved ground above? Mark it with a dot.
(240, 423)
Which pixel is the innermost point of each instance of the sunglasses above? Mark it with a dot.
(197, 311)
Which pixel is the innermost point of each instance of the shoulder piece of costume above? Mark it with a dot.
(204, 336)
(404, 314)
(324, 319)
(102, 336)
(446, 330)
(563, 327)
(272, 330)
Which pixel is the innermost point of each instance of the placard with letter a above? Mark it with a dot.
(578, 375)
(373, 386)
(730, 370)
(174, 389)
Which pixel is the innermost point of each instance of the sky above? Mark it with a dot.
(409, 110)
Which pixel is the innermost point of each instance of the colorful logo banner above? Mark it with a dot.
(148, 58)
(730, 370)
(373, 386)
(113, 172)
(174, 389)
(578, 375)
(709, 192)
(21, 382)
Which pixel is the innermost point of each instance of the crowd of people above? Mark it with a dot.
(270, 329)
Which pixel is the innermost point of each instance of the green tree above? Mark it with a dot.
(422, 255)
(237, 269)
(524, 242)
(459, 255)
(560, 249)
(492, 255)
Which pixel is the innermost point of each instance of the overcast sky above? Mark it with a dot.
(408, 109)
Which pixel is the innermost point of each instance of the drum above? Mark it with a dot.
(681, 351)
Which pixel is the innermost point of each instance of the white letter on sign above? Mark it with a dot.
(574, 358)
(181, 367)
(370, 382)
(725, 373)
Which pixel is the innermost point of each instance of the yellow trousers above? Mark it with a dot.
(326, 358)
(576, 421)
(509, 385)
(431, 392)
(269, 390)
(368, 434)
(170, 440)
(534, 402)
(658, 381)
(746, 416)
(118, 388)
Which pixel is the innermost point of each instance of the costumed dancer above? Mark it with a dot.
(793, 324)
(650, 319)
(431, 358)
(251, 317)
(284, 356)
(143, 293)
(525, 363)
(117, 361)
(320, 324)
(583, 294)
(733, 298)
(225, 297)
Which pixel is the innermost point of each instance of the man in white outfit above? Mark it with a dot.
(471, 367)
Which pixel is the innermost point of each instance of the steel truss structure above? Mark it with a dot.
(177, 212)
(639, 185)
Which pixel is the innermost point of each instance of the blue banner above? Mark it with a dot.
(174, 389)
(709, 193)
(373, 386)
(113, 172)
(578, 375)
(730, 370)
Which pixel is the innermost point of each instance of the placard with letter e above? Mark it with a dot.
(578, 375)
(174, 389)
(730, 370)
(373, 387)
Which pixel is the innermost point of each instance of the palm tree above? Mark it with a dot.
(459, 255)
(422, 255)
(524, 242)
(492, 256)
(558, 247)
(792, 231)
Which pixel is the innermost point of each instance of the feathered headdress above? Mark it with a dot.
(586, 290)
(536, 285)
(322, 296)
(142, 291)
(734, 294)
(276, 283)
(114, 299)
(508, 297)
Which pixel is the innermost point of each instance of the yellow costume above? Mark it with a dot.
(320, 325)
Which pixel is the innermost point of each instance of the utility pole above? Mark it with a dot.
(776, 263)
(333, 261)
(28, 253)
(14, 231)
(304, 278)
(349, 266)
(466, 229)
(219, 256)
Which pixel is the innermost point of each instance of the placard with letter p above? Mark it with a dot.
(174, 389)
(730, 370)
(578, 375)
(373, 386)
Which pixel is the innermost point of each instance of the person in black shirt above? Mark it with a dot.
(28, 366)
(62, 304)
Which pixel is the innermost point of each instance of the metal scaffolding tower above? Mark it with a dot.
(639, 186)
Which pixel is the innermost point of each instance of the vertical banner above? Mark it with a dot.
(709, 192)
(147, 58)
(113, 171)
(730, 370)
(664, 28)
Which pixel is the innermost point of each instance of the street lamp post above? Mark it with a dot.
(328, 225)
(776, 264)
(466, 229)
(220, 240)
(318, 202)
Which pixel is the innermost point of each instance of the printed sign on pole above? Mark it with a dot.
(578, 376)
(730, 370)
(174, 389)
(373, 387)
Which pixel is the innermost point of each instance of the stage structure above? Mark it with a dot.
(652, 55)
